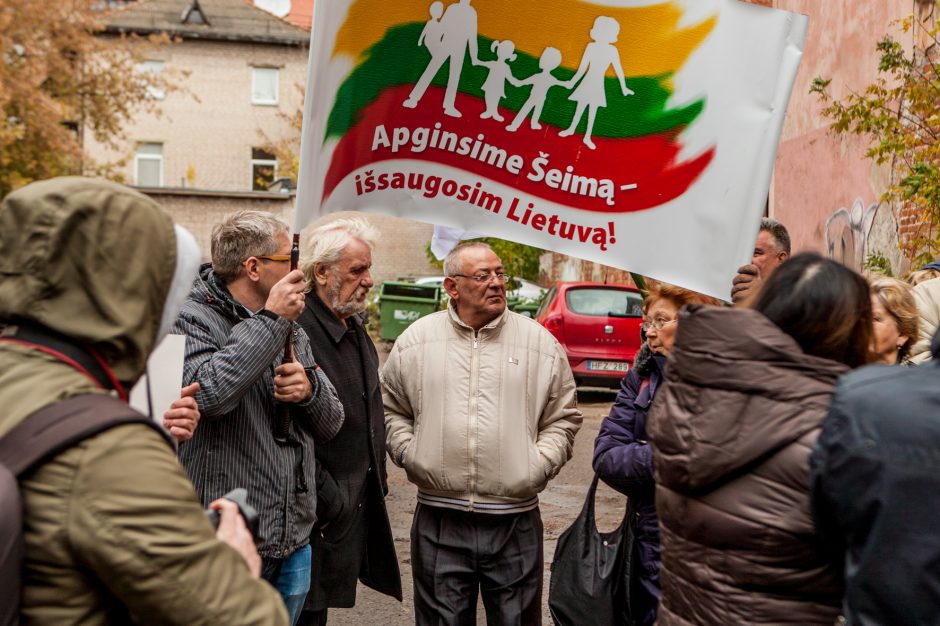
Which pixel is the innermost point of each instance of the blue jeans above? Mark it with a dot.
(291, 577)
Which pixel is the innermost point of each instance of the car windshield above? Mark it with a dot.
(605, 302)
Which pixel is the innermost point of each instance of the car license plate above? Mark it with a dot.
(608, 366)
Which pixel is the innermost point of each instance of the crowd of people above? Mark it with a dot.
(772, 473)
(770, 481)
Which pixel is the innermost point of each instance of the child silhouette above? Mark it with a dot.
(599, 55)
(541, 83)
(494, 88)
(433, 34)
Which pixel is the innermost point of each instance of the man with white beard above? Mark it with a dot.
(353, 539)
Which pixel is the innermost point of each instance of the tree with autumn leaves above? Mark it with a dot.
(899, 116)
(62, 78)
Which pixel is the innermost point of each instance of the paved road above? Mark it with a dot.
(560, 504)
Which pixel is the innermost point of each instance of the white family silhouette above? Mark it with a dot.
(449, 35)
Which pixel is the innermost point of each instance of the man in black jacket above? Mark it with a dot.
(353, 540)
(875, 478)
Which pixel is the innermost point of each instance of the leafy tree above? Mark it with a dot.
(61, 77)
(518, 259)
(899, 117)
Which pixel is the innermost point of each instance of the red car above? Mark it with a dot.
(599, 326)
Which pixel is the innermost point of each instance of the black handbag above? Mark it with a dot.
(590, 581)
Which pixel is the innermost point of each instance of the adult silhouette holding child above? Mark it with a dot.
(458, 28)
(433, 34)
(599, 55)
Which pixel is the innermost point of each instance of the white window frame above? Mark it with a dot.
(138, 157)
(272, 163)
(277, 86)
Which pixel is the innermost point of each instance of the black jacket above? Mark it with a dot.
(353, 540)
(875, 485)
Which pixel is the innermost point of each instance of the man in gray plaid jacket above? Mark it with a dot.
(237, 320)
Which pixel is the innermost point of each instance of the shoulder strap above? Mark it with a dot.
(80, 357)
(59, 426)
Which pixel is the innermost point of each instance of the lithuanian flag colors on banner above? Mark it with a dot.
(581, 127)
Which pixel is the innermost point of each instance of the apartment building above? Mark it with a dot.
(238, 71)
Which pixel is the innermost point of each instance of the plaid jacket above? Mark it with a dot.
(233, 355)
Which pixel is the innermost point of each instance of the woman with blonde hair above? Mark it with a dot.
(622, 456)
(895, 320)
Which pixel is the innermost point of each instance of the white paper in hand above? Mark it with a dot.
(163, 380)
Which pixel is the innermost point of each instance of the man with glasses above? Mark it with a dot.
(237, 319)
(481, 412)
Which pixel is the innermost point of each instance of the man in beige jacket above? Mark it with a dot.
(481, 412)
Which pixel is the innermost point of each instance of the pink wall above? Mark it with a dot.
(816, 174)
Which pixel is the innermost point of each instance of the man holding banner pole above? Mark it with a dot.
(481, 412)
(241, 309)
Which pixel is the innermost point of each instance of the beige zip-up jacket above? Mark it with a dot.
(480, 421)
(927, 297)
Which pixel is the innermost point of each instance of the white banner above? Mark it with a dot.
(637, 134)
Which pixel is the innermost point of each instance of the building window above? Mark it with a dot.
(155, 68)
(264, 85)
(148, 165)
(263, 169)
(193, 14)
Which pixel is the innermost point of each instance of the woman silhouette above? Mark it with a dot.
(599, 55)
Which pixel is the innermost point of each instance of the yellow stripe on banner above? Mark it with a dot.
(651, 41)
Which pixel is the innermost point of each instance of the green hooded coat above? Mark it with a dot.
(113, 530)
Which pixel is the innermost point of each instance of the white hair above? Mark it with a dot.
(325, 243)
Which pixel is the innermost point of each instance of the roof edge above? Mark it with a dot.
(214, 193)
(207, 36)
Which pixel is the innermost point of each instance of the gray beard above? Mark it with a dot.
(344, 309)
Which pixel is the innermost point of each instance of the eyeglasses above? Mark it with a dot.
(278, 258)
(657, 324)
(485, 278)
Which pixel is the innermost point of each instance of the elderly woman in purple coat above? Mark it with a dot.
(623, 458)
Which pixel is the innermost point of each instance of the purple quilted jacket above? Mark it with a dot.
(624, 460)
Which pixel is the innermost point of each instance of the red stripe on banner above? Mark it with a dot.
(621, 175)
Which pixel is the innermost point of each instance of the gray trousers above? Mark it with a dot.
(455, 556)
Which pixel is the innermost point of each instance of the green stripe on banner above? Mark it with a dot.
(398, 60)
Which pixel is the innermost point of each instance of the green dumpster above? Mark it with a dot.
(526, 307)
(400, 304)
